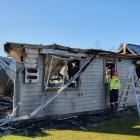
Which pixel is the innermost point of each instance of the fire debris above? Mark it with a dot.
(6, 106)
(71, 122)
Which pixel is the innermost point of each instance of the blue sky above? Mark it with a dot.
(76, 23)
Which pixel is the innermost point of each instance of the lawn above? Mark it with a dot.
(124, 128)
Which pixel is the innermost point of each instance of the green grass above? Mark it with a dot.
(124, 128)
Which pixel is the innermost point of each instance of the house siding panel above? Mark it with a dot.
(89, 96)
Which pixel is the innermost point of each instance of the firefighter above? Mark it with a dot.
(114, 87)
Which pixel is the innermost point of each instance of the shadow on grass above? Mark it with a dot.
(31, 133)
(127, 125)
(27, 133)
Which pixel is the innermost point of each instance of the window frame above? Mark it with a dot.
(48, 65)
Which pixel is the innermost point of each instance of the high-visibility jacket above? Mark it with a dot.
(114, 83)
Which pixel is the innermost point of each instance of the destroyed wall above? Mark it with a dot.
(86, 97)
(4, 79)
(30, 94)
(89, 96)
(7, 73)
(6, 85)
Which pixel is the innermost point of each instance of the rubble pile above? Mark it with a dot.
(6, 106)
(7, 70)
(72, 122)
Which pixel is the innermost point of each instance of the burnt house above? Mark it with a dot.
(53, 80)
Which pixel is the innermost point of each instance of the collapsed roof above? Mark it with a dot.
(16, 50)
(9, 66)
(7, 74)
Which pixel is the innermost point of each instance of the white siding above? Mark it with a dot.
(91, 92)
(89, 96)
(123, 68)
(30, 94)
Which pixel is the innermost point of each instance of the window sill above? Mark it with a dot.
(67, 89)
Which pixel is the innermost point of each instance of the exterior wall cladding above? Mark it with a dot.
(89, 96)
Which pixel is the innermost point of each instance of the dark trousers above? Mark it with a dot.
(114, 99)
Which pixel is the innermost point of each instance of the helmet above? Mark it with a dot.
(115, 73)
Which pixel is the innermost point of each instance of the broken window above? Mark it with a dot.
(59, 71)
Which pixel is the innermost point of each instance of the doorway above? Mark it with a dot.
(110, 67)
(138, 71)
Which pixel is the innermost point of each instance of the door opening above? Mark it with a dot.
(138, 71)
(109, 69)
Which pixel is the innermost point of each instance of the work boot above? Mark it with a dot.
(116, 106)
(112, 108)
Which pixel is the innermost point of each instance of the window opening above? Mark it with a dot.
(59, 71)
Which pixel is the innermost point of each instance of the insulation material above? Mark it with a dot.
(16, 53)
